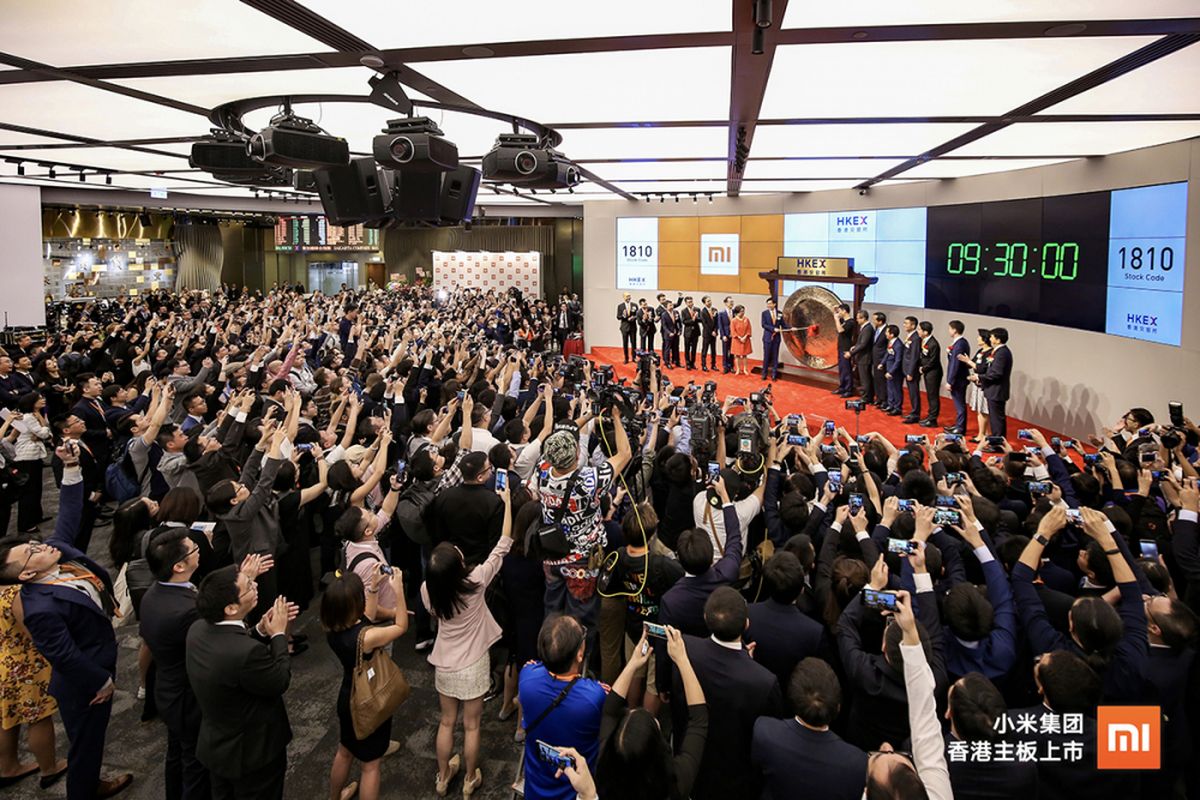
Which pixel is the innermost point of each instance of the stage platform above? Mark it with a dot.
(802, 391)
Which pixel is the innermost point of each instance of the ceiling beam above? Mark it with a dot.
(606, 44)
(85, 141)
(310, 23)
(747, 83)
(67, 75)
(1097, 77)
(946, 119)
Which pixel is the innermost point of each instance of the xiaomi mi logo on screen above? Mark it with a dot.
(1127, 737)
(718, 254)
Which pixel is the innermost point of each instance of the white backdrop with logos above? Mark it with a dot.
(481, 270)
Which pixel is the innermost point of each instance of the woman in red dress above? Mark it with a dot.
(739, 331)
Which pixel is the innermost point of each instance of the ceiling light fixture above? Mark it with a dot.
(662, 198)
(677, 197)
(756, 42)
(52, 173)
(762, 13)
(108, 179)
(710, 198)
(20, 168)
(694, 200)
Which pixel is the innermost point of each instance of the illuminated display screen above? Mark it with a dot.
(1110, 261)
(313, 234)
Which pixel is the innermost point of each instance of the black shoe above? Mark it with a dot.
(46, 781)
(928, 423)
(953, 429)
(910, 419)
(894, 413)
(704, 369)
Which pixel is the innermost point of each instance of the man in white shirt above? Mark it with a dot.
(482, 440)
(713, 521)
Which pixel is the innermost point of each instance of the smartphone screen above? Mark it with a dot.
(501, 479)
(714, 471)
(1149, 549)
(879, 599)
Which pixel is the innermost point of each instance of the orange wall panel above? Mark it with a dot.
(679, 254)
(763, 228)
(719, 285)
(678, 229)
(677, 279)
(721, 225)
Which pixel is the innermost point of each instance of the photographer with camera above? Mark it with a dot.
(571, 536)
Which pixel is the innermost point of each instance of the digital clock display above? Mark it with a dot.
(1039, 260)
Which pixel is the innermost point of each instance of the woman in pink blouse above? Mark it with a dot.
(466, 629)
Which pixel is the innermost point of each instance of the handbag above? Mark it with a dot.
(750, 569)
(551, 538)
(377, 689)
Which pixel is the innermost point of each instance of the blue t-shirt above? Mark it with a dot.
(574, 723)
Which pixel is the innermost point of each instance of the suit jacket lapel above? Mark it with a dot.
(62, 592)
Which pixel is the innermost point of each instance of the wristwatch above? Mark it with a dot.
(1042, 540)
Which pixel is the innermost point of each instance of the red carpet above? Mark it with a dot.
(813, 400)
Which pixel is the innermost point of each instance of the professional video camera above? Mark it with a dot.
(575, 369)
(705, 416)
(751, 431)
(647, 362)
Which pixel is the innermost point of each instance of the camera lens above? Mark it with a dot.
(257, 147)
(402, 149)
(525, 162)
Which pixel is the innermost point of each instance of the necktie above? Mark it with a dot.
(79, 572)
(99, 409)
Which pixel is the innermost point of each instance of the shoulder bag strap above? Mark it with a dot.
(561, 511)
(561, 696)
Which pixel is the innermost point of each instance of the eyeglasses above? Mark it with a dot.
(186, 555)
(34, 546)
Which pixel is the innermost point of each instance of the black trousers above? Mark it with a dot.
(263, 784)
(933, 394)
(708, 350)
(881, 385)
(690, 340)
(996, 417)
(186, 777)
(647, 341)
(628, 341)
(914, 394)
(671, 350)
(29, 504)
(86, 726)
(866, 378)
(845, 374)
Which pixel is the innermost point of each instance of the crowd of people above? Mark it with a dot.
(673, 594)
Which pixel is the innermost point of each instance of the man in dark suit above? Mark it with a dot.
(772, 337)
(782, 635)
(670, 334)
(930, 367)
(879, 350)
(911, 369)
(647, 325)
(738, 691)
(71, 428)
(708, 335)
(801, 758)
(68, 606)
(956, 375)
(995, 381)
(89, 409)
(976, 709)
(168, 610)
(691, 331)
(11, 388)
(627, 317)
(724, 319)
(860, 353)
(847, 333)
(893, 365)
(239, 682)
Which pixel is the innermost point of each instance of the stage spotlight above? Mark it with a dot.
(82, 176)
(52, 173)
(20, 168)
(293, 141)
(756, 42)
(108, 179)
(415, 145)
(519, 159)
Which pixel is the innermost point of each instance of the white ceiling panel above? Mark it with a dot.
(1082, 138)
(682, 187)
(958, 169)
(763, 187)
(929, 78)
(645, 142)
(387, 24)
(833, 168)
(1169, 85)
(689, 83)
(888, 12)
(899, 140)
(76, 32)
(659, 169)
(213, 90)
(84, 111)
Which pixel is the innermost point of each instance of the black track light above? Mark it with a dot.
(52, 173)
(756, 42)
